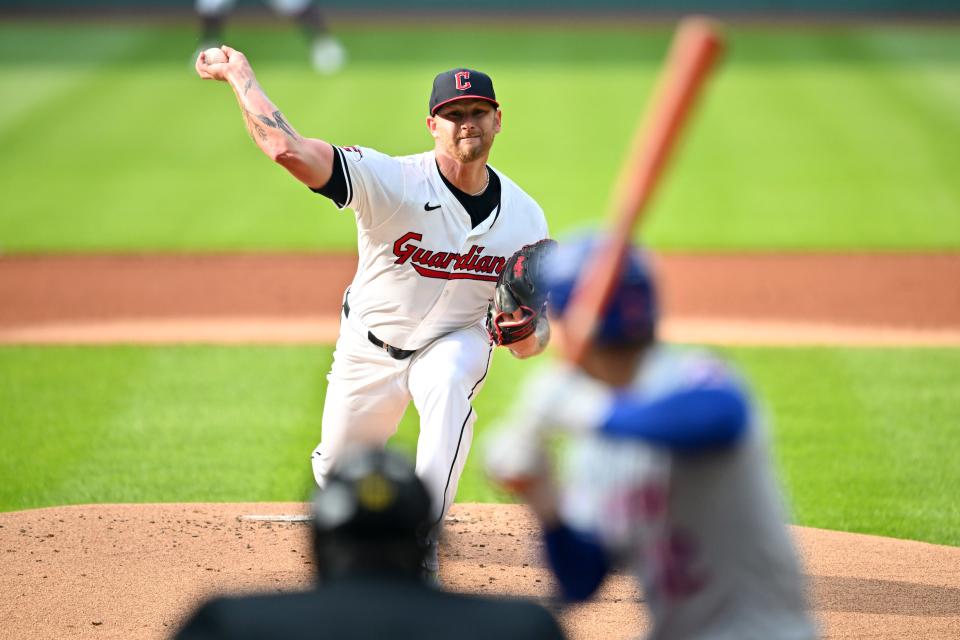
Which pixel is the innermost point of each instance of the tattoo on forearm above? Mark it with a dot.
(247, 85)
(284, 125)
(256, 131)
(278, 122)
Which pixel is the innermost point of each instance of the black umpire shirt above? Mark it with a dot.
(370, 608)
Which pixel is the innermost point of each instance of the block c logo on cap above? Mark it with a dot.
(463, 78)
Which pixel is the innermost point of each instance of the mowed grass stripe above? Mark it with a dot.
(38, 71)
(863, 436)
(127, 424)
(856, 141)
(841, 139)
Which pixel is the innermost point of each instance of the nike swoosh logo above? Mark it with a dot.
(427, 207)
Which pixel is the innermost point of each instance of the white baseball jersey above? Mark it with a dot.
(423, 271)
(424, 279)
(704, 532)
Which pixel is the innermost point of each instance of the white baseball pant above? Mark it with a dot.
(368, 392)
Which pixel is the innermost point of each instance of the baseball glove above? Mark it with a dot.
(519, 299)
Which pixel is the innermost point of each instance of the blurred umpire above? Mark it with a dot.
(367, 523)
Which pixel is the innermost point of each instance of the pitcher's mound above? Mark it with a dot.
(134, 571)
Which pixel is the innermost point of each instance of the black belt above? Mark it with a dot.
(393, 352)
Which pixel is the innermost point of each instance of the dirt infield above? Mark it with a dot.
(729, 299)
(133, 571)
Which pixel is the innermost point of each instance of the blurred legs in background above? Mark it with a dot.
(327, 55)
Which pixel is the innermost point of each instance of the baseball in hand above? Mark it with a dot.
(214, 55)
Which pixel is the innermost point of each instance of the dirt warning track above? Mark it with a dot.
(864, 299)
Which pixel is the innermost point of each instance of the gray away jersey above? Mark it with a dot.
(704, 533)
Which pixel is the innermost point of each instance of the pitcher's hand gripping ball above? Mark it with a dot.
(519, 300)
(214, 55)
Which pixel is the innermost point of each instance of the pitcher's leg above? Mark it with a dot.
(366, 398)
(444, 378)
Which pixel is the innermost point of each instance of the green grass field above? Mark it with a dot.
(841, 138)
(864, 437)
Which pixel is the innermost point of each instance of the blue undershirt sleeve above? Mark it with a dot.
(578, 561)
(689, 421)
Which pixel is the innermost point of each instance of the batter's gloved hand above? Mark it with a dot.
(519, 299)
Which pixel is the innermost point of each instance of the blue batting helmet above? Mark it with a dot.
(631, 314)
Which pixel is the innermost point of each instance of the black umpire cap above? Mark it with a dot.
(372, 494)
(461, 84)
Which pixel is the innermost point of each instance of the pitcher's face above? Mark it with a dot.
(465, 129)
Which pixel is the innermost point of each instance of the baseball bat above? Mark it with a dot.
(696, 48)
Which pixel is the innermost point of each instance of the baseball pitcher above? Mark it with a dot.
(435, 233)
